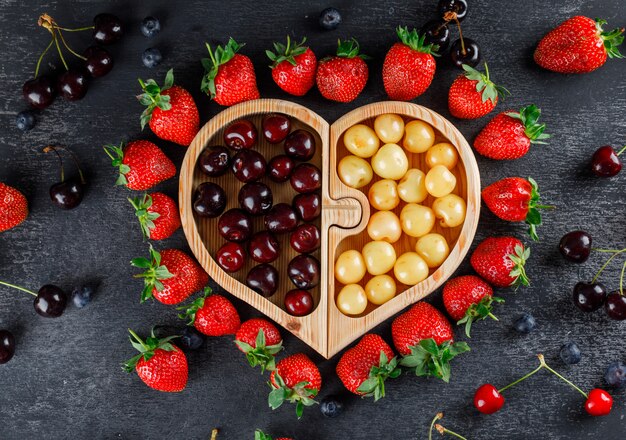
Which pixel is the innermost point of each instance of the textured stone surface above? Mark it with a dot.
(65, 380)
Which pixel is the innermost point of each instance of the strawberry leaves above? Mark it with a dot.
(146, 218)
(612, 39)
(488, 90)
(479, 311)
(299, 394)
(349, 49)
(153, 275)
(259, 435)
(117, 160)
(286, 53)
(191, 309)
(375, 384)
(533, 218)
(530, 116)
(429, 359)
(211, 65)
(146, 348)
(416, 42)
(518, 273)
(261, 354)
(152, 98)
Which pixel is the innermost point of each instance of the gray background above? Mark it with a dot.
(65, 380)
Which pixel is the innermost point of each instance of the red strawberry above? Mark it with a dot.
(423, 336)
(364, 368)
(500, 261)
(467, 299)
(293, 67)
(578, 45)
(342, 78)
(509, 135)
(260, 340)
(259, 435)
(170, 276)
(230, 76)
(515, 199)
(160, 364)
(473, 95)
(13, 207)
(212, 315)
(141, 164)
(296, 379)
(409, 66)
(157, 214)
(172, 114)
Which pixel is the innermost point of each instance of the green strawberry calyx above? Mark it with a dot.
(286, 52)
(374, 385)
(530, 116)
(260, 435)
(612, 39)
(153, 275)
(427, 358)
(415, 41)
(116, 153)
(479, 311)
(147, 348)
(488, 90)
(261, 354)
(211, 65)
(189, 311)
(142, 211)
(300, 394)
(518, 273)
(152, 98)
(350, 49)
(533, 217)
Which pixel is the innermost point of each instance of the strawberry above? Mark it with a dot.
(230, 76)
(171, 112)
(260, 340)
(364, 368)
(473, 95)
(293, 67)
(160, 364)
(467, 299)
(342, 77)
(260, 435)
(296, 379)
(500, 261)
(212, 315)
(515, 199)
(509, 135)
(170, 276)
(141, 164)
(423, 336)
(13, 207)
(409, 66)
(158, 215)
(578, 45)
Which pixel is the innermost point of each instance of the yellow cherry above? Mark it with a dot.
(390, 162)
(450, 210)
(410, 269)
(433, 248)
(379, 257)
(442, 153)
(355, 171)
(352, 300)
(350, 267)
(384, 226)
(380, 289)
(383, 195)
(418, 136)
(440, 181)
(412, 186)
(361, 140)
(389, 128)
(417, 220)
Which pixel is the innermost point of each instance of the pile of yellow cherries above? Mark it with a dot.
(384, 151)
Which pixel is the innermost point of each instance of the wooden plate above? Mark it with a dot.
(345, 214)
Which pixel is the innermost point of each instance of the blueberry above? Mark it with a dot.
(25, 120)
(330, 19)
(81, 296)
(150, 26)
(151, 57)
(191, 339)
(331, 406)
(570, 353)
(615, 374)
(525, 323)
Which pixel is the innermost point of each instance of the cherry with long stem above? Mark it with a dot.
(441, 429)
(50, 301)
(67, 194)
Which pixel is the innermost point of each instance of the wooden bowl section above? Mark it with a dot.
(345, 214)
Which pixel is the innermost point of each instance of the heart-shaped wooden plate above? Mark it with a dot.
(345, 215)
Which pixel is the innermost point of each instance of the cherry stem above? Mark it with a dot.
(18, 288)
(615, 254)
(68, 47)
(442, 430)
(451, 16)
(74, 159)
(621, 151)
(45, 51)
(439, 416)
(214, 434)
(50, 148)
(621, 280)
(520, 379)
(56, 41)
(73, 30)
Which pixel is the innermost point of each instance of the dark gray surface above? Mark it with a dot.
(65, 381)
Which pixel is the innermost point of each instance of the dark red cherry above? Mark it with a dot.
(588, 296)
(255, 198)
(575, 246)
(263, 279)
(209, 200)
(305, 239)
(248, 165)
(306, 178)
(298, 302)
(240, 134)
(276, 127)
(231, 257)
(214, 161)
(437, 32)
(465, 54)
(99, 61)
(67, 194)
(279, 169)
(107, 28)
(50, 301)
(308, 206)
(304, 271)
(264, 247)
(7, 346)
(615, 306)
(73, 84)
(39, 92)
(281, 218)
(235, 225)
(300, 145)
(606, 162)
